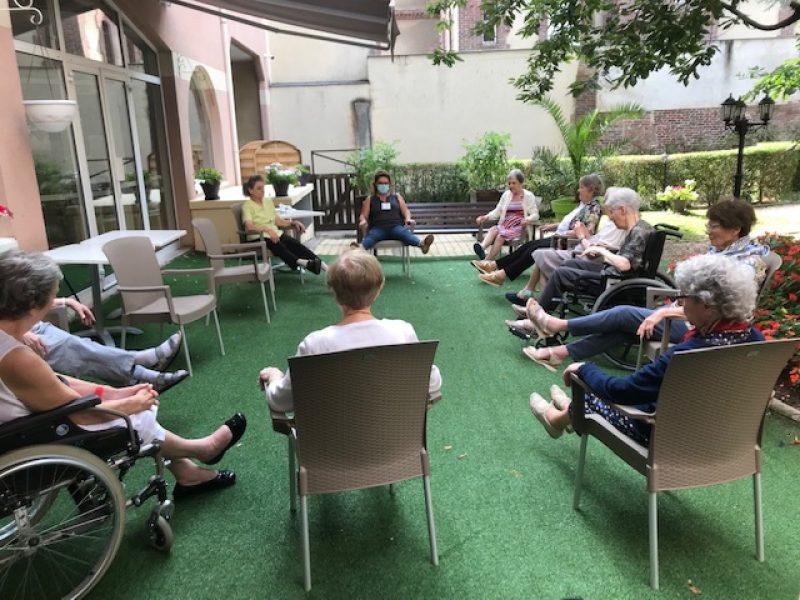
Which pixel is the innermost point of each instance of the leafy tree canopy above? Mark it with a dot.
(623, 41)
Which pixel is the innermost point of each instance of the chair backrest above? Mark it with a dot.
(361, 415)
(653, 250)
(208, 232)
(710, 413)
(236, 209)
(135, 265)
(773, 262)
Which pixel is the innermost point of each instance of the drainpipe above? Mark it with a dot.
(226, 56)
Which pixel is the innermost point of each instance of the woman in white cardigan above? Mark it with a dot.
(516, 210)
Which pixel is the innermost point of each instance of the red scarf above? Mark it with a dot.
(724, 325)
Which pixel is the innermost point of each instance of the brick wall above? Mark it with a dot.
(467, 41)
(686, 130)
(586, 102)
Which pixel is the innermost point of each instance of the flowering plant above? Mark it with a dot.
(778, 311)
(678, 198)
(778, 314)
(276, 173)
(5, 212)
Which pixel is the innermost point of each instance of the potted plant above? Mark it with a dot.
(485, 165)
(210, 180)
(303, 174)
(367, 160)
(281, 178)
(678, 197)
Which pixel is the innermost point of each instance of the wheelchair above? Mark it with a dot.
(615, 289)
(63, 504)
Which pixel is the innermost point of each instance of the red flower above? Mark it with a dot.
(4, 212)
(792, 297)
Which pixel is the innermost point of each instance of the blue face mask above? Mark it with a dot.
(383, 188)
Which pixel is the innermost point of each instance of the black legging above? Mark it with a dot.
(515, 263)
(566, 277)
(288, 249)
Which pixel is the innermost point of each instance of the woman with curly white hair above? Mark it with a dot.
(718, 295)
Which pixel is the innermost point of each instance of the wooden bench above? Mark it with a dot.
(448, 217)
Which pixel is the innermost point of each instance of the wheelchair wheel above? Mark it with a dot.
(161, 536)
(631, 292)
(62, 511)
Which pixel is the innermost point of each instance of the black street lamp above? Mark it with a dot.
(735, 117)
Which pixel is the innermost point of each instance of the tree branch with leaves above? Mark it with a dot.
(622, 42)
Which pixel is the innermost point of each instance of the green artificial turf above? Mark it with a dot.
(502, 489)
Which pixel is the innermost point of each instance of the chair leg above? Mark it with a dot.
(426, 482)
(306, 548)
(292, 475)
(264, 298)
(759, 517)
(272, 290)
(219, 333)
(653, 526)
(122, 339)
(576, 500)
(186, 351)
(391, 489)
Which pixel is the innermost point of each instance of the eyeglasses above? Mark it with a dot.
(679, 299)
(712, 226)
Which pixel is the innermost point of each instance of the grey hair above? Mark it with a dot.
(720, 281)
(593, 183)
(516, 174)
(27, 283)
(622, 196)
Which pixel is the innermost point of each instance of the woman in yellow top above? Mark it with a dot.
(261, 216)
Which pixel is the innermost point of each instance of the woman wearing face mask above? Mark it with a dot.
(385, 216)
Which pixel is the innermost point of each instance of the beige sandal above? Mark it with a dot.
(551, 363)
(539, 318)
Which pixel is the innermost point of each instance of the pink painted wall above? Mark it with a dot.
(18, 188)
(171, 29)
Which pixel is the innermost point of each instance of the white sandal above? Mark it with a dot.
(539, 318)
(552, 362)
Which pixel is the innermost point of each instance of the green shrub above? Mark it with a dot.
(769, 172)
(431, 182)
(485, 163)
(367, 160)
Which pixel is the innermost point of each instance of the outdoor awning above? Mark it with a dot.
(361, 22)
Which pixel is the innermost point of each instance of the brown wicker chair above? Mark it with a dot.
(707, 429)
(356, 428)
(259, 271)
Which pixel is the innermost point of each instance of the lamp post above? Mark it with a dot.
(735, 118)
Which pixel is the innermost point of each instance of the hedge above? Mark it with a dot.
(769, 172)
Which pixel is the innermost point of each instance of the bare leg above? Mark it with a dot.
(489, 238)
(497, 245)
(179, 450)
(558, 418)
(532, 281)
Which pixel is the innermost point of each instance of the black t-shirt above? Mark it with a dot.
(380, 216)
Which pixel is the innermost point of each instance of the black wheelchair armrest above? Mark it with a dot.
(37, 420)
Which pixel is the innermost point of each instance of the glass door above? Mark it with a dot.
(118, 196)
(103, 198)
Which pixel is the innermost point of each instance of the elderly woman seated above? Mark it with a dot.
(28, 385)
(728, 230)
(356, 280)
(718, 295)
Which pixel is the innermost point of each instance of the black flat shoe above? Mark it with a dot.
(222, 480)
(315, 266)
(237, 424)
(479, 251)
(515, 299)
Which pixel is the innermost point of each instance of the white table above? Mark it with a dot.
(90, 253)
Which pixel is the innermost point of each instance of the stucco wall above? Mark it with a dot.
(431, 111)
(661, 91)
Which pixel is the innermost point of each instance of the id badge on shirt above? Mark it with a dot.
(386, 206)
